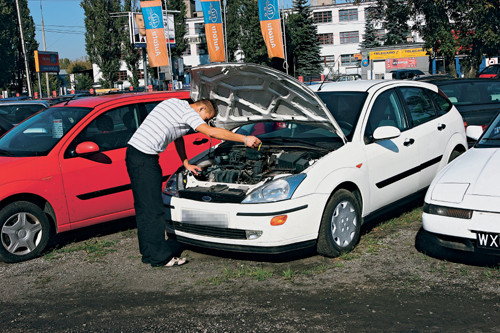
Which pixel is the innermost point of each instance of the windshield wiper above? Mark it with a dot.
(292, 140)
(5, 152)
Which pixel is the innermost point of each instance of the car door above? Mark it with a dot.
(392, 162)
(97, 185)
(429, 130)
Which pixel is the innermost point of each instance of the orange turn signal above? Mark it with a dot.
(278, 220)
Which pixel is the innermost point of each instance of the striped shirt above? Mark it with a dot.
(168, 121)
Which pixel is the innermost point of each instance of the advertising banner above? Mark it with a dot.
(138, 29)
(47, 62)
(394, 54)
(401, 63)
(213, 30)
(155, 33)
(270, 24)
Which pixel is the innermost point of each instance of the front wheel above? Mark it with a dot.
(340, 225)
(24, 231)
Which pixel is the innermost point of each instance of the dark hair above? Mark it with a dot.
(210, 104)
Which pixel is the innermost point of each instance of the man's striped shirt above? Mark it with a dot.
(168, 121)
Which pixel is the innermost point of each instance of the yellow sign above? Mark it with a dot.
(393, 54)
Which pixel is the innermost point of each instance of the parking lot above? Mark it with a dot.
(95, 282)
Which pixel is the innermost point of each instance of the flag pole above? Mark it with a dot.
(225, 31)
(168, 46)
(285, 63)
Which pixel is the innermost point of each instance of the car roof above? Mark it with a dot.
(461, 80)
(366, 85)
(93, 101)
(24, 102)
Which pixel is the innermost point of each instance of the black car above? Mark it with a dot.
(13, 112)
(403, 74)
(477, 99)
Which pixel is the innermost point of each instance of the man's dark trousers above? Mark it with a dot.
(146, 180)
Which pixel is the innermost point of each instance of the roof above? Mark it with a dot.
(24, 102)
(94, 101)
(366, 85)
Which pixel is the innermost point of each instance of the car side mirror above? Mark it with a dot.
(87, 147)
(385, 133)
(474, 131)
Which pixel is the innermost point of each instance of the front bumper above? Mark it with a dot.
(246, 227)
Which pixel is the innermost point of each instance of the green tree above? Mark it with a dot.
(13, 69)
(432, 22)
(103, 37)
(244, 34)
(54, 84)
(181, 42)
(131, 55)
(477, 26)
(302, 45)
(370, 38)
(83, 82)
(64, 63)
(396, 15)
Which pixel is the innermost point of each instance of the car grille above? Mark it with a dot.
(209, 195)
(204, 230)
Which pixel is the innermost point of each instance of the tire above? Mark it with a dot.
(454, 154)
(24, 231)
(340, 225)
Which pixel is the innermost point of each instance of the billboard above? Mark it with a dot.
(401, 63)
(46, 62)
(138, 29)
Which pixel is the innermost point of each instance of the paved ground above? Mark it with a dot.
(95, 282)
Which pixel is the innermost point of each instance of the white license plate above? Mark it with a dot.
(197, 217)
(488, 240)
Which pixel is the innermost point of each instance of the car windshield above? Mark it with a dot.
(465, 93)
(345, 107)
(491, 138)
(15, 113)
(39, 134)
(286, 133)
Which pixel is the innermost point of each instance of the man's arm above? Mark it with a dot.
(223, 134)
(181, 151)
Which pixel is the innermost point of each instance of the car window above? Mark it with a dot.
(418, 104)
(150, 106)
(110, 130)
(14, 114)
(470, 93)
(442, 104)
(345, 107)
(386, 111)
(39, 134)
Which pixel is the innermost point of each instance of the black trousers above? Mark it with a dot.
(146, 180)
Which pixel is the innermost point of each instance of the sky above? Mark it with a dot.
(64, 26)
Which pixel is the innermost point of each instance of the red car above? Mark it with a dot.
(490, 72)
(64, 168)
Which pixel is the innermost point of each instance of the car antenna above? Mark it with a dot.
(321, 85)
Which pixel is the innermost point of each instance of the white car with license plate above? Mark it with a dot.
(332, 155)
(462, 205)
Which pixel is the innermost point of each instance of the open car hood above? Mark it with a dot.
(247, 93)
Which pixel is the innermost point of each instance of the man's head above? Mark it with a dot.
(139, 21)
(206, 108)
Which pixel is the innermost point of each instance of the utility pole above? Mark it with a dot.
(24, 49)
(44, 48)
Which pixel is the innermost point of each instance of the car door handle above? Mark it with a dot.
(200, 141)
(409, 142)
(441, 127)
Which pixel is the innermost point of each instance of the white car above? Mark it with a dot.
(462, 205)
(329, 159)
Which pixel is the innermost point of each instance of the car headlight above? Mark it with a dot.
(458, 213)
(276, 190)
(175, 183)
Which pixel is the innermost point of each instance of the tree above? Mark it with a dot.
(13, 69)
(477, 26)
(181, 42)
(302, 45)
(54, 83)
(83, 82)
(396, 15)
(103, 37)
(130, 54)
(244, 34)
(433, 24)
(369, 38)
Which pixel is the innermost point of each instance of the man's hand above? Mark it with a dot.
(252, 141)
(192, 168)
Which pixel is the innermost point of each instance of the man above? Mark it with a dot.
(166, 123)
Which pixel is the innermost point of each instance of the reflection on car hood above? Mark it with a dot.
(479, 167)
(252, 93)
